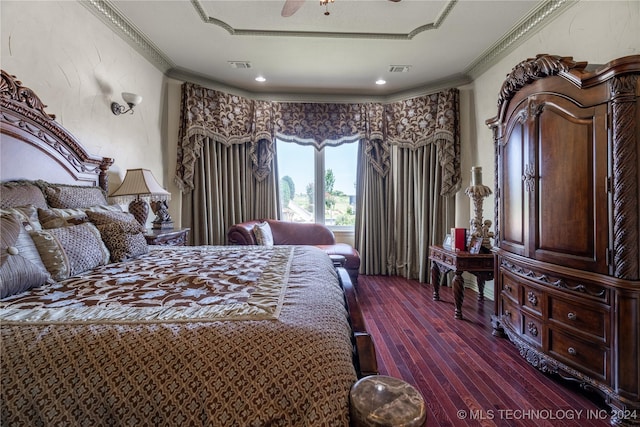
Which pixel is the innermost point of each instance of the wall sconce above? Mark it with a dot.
(131, 99)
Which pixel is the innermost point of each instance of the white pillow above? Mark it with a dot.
(262, 232)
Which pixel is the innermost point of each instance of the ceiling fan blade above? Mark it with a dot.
(290, 7)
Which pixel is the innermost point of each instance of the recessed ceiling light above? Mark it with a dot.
(260, 79)
(381, 82)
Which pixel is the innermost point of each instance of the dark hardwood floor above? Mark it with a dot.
(467, 376)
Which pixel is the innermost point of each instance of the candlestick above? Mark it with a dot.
(477, 192)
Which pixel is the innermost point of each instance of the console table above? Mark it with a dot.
(445, 260)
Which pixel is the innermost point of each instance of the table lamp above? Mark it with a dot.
(140, 183)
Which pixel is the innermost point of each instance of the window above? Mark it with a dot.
(325, 178)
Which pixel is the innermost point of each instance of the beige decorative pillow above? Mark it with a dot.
(51, 219)
(102, 218)
(263, 234)
(104, 208)
(27, 215)
(20, 265)
(71, 215)
(122, 234)
(74, 196)
(69, 251)
(58, 217)
(21, 193)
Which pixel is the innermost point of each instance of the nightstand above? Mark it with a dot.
(167, 237)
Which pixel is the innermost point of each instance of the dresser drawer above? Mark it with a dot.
(592, 321)
(531, 329)
(510, 287)
(510, 315)
(532, 298)
(584, 356)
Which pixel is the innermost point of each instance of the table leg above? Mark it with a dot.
(480, 280)
(435, 281)
(458, 294)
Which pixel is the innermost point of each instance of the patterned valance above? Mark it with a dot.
(319, 124)
(232, 119)
(434, 118)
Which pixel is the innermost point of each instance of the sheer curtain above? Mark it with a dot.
(408, 170)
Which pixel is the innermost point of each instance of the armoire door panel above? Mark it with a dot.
(571, 215)
(513, 201)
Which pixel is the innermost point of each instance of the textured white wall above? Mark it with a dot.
(78, 66)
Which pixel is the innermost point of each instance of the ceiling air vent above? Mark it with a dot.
(241, 65)
(399, 68)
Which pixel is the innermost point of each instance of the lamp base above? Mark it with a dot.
(140, 211)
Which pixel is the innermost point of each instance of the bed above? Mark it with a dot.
(106, 330)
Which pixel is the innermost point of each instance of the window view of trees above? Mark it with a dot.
(300, 193)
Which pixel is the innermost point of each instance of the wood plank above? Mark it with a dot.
(458, 365)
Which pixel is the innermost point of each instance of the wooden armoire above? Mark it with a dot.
(567, 251)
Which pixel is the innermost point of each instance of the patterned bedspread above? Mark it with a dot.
(214, 336)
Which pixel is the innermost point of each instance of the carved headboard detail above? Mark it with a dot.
(34, 146)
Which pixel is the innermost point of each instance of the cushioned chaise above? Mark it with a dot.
(295, 233)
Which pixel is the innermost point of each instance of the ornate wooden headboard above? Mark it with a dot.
(34, 146)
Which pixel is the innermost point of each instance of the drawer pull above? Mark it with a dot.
(507, 288)
(507, 313)
(572, 351)
(572, 316)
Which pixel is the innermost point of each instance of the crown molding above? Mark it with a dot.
(538, 18)
(114, 19)
(325, 34)
(520, 32)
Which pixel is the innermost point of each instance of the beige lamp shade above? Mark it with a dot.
(140, 183)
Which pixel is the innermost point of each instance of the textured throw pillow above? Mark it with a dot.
(20, 265)
(69, 251)
(58, 217)
(21, 193)
(73, 216)
(51, 219)
(122, 234)
(104, 208)
(27, 215)
(74, 196)
(262, 232)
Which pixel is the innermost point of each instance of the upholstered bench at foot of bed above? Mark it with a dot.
(295, 233)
